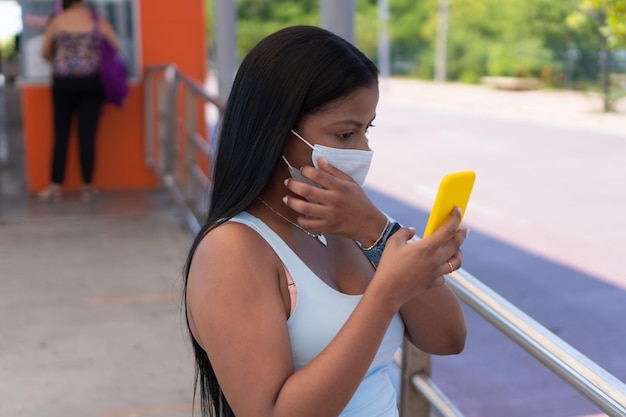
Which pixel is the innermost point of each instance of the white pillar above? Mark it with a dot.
(442, 41)
(225, 44)
(338, 17)
(384, 57)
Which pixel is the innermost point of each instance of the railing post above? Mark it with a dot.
(169, 145)
(148, 122)
(161, 105)
(191, 151)
(412, 403)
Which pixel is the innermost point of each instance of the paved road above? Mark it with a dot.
(552, 189)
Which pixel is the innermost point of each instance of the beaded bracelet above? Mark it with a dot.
(375, 251)
(377, 240)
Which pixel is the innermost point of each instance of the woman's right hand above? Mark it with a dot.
(409, 267)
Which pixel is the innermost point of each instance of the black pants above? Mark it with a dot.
(81, 96)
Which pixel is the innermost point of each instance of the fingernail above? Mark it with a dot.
(286, 182)
(285, 199)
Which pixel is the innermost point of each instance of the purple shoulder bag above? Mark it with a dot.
(113, 69)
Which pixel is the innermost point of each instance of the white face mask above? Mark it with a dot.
(353, 162)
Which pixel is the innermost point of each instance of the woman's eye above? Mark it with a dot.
(345, 135)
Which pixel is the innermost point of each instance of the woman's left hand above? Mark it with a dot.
(340, 207)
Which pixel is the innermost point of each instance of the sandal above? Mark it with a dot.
(50, 193)
(88, 193)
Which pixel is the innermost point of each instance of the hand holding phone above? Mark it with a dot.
(454, 191)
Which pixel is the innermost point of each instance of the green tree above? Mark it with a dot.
(501, 37)
(410, 37)
(259, 18)
(366, 35)
(605, 22)
(486, 37)
(8, 48)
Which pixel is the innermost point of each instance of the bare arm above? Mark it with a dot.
(47, 50)
(237, 311)
(109, 33)
(434, 319)
(435, 322)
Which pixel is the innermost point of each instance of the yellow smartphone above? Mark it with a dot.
(454, 191)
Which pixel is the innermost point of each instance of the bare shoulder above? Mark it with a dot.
(105, 24)
(53, 23)
(229, 257)
(102, 19)
(232, 239)
(107, 30)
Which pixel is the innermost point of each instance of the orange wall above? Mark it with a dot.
(170, 32)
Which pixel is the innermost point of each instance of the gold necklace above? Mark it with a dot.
(320, 237)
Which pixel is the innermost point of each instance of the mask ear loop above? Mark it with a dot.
(287, 162)
(302, 139)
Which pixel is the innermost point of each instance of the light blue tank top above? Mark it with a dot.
(319, 314)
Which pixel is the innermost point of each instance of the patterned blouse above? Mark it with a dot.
(76, 53)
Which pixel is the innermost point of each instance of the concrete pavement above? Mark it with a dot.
(90, 319)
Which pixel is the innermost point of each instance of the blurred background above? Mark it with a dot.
(565, 44)
(568, 44)
(531, 94)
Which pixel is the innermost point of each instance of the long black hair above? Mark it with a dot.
(69, 3)
(292, 73)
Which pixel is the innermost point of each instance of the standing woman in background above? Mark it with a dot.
(71, 44)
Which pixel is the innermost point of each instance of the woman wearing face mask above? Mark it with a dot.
(298, 290)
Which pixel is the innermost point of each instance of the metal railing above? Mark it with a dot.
(593, 382)
(179, 120)
(181, 157)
